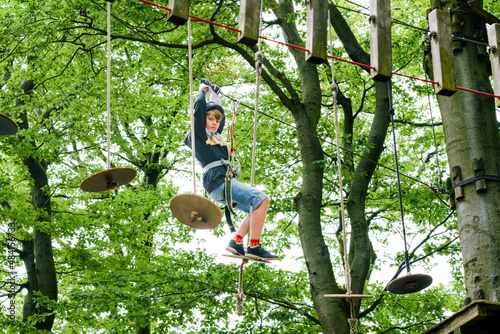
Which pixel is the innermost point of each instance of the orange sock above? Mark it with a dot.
(254, 242)
(238, 238)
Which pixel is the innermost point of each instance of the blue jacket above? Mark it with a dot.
(209, 147)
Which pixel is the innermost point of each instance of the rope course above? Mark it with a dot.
(146, 39)
(419, 282)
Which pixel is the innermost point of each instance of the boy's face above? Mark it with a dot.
(212, 122)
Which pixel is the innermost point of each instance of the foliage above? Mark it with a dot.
(122, 260)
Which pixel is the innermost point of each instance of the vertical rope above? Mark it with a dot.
(108, 90)
(240, 297)
(191, 107)
(333, 89)
(235, 104)
(391, 113)
(258, 67)
(258, 58)
(353, 322)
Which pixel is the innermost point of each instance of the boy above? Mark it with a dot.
(212, 153)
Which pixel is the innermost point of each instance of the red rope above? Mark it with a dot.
(333, 57)
(415, 78)
(351, 62)
(153, 4)
(477, 92)
(285, 44)
(192, 16)
(212, 22)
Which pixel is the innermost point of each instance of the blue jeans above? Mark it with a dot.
(243, 196)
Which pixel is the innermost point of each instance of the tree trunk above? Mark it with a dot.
(360, 251)
(44, 279)
(331, 312)
(28, 257)
(152, 172)
(471, 132)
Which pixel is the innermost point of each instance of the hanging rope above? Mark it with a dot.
(353, 322)
(240, 297)
(108, 89)
(258, 68)
(191, 107)
(391, 113)
(234, 107)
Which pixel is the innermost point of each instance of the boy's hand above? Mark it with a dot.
(216, 89)
(205, 85)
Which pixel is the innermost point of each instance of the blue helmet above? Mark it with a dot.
(213, 105)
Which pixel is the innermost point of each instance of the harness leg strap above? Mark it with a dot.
(228, 219)
(228, 209)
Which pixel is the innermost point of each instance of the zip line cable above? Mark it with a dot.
(146, 39)
(357, 4)
(369, 15)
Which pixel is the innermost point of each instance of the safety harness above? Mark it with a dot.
(233, 170)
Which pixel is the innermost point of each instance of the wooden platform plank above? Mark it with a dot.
(317, 32)
(443, 63)
(477, 12)
(380, 40)
(249, 22)
(480, 316)
(346, 296)
(179, 11)
(494, 42)
(247, 258)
